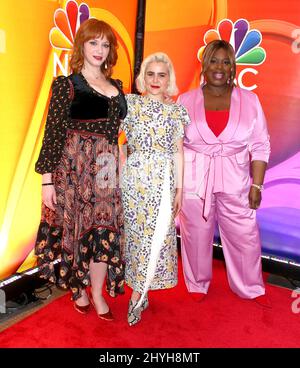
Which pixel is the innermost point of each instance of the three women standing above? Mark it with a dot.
(82, 217)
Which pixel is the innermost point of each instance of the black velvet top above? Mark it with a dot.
(76, 105)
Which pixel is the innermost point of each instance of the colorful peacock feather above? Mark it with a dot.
(67, 21)
(244, 41)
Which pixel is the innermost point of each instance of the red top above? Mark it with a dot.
(217, 120)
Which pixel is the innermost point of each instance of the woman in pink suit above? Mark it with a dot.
(227, 139)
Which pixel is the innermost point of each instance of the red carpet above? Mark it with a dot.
(173, 320)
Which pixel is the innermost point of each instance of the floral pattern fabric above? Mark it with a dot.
(152, 130)
(88, 220)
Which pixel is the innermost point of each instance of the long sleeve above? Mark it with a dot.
(56, 125)
(259, 144)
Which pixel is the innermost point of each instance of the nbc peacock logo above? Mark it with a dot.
(67, 21)
(245, 42)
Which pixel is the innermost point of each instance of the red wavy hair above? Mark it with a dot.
(90, 29)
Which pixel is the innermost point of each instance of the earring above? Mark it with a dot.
(230, 78)
(105, 65)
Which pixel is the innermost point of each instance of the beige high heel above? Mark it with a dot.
(145, 303)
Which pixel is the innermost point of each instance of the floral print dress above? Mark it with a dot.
(148, 191)
(80, 149)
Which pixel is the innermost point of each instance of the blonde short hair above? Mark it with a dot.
(158, 57)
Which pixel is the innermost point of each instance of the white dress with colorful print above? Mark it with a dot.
(148, 191)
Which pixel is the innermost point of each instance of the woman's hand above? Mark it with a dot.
(254, 198)
(177, 202)
(49, 196)
(258, 169)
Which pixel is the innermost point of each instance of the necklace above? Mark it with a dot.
(88, 76)
(217, 94)
(98, 77)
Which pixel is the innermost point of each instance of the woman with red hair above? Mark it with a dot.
(82, 219)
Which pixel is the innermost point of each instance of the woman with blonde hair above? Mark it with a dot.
(82, 219)
(152, 182)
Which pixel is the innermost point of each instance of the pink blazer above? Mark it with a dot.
(222, 164)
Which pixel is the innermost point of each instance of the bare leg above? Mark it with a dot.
(97, 274)
(83, 300)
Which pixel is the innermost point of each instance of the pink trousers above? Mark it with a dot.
(240, 241)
